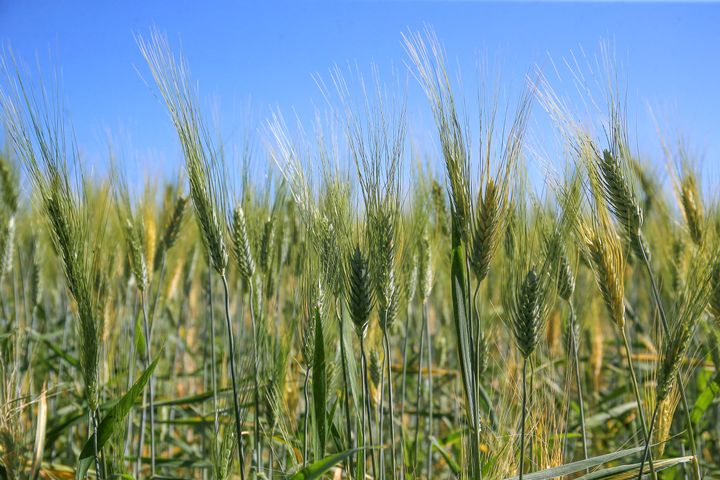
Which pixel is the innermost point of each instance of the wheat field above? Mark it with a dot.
(369, 311)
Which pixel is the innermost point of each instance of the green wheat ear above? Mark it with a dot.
(383, 253)
(266, 242)
(486, 229)
(222, 451)
(359, 291)
(714, 302)
(524, 308)
(41, 146)
(202, 162)
(673, 351)
(425, 268)
(131, 225)
(689, 307)
(241, 245)
(566, 278)
(9, 196)
(528, 292)
(620, 196)
(8, 185)
(135, 244)
(307, 334)
(410, 276)
(7, 242)
(691, 205)
(429, 60)
(171, 230)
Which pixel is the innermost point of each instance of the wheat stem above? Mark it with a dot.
(475, 414)
(381, 415)
(403, 380)
(141, 433)
(666, 329)
(213, 356)
(130, 380)
(418, 398)
(177, 351)
(233, 376)
(521, 467)
(567, 424)
(368, 408)
(346, 381)
(647, 444)
(305, 416)
(94, 419)
(256, 375)
(578, 378)
(151, 383)
(390, 401)
(636, 392)
(156, 297)
(430, 388)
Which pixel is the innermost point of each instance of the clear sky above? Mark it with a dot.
(270, 51)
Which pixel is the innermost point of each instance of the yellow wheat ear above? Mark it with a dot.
(688, 195)
(603, 250)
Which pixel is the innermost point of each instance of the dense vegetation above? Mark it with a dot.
(358, 315)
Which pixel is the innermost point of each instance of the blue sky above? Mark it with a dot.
(269, 52)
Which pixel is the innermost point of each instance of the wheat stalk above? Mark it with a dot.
(688, 310)
(171, 231)
(132, 226)
(37, 133)
(602, 249)
(619, 195)
(202, 162)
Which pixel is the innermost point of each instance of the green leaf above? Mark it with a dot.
(705, 399)
(139, 336)
(179, 462)
(448, 458)
(462, 330)
(72, 361)
(315, 470)
(319, 381)
(598, 420)
(62, 424)
(191, 399)
(114, 417)
(623, 471)
(193, 420)
(570, 468)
